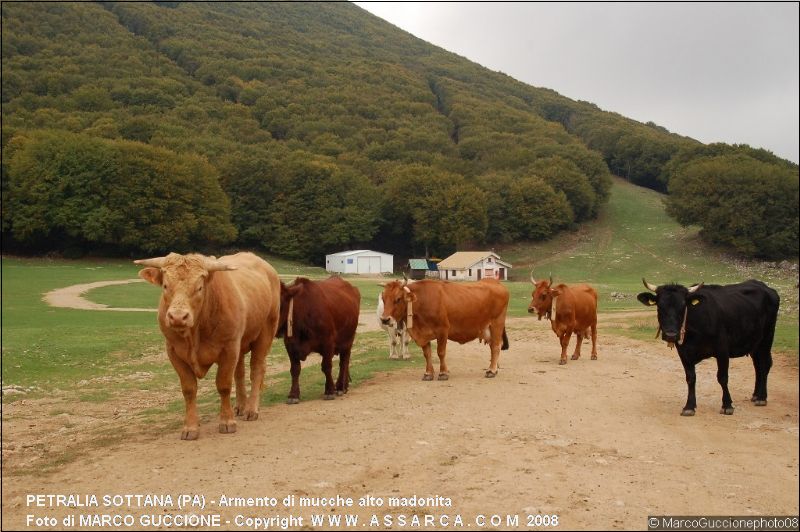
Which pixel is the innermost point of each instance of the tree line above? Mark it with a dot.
(303, 129)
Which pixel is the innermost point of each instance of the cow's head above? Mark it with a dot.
(396, 297)
(288, 293)
(184, 279)
(671, 301)
(542, 296)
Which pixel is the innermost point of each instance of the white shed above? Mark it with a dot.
(473, 266)
(363, 261)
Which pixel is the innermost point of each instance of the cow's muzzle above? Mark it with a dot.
(669, 336)
(387, 321)
(179, 319)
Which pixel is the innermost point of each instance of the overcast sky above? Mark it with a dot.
(716, 72)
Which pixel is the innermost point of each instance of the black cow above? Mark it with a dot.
(321, 317)
(723, 322)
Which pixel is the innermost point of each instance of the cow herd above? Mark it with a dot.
(214, 311)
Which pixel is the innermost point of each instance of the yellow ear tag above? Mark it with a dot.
(651, 302)
(695, 301)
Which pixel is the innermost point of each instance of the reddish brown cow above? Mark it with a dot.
(319, 317)
(213, 312)
(441, 311)
(570, 309)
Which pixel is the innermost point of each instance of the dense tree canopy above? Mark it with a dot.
(297, 128)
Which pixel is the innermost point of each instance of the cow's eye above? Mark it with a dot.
(396, 301)
(165, 286)
(200, 288)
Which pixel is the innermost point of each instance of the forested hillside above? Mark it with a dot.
(305, 128)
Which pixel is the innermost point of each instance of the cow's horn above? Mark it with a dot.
(533, 281)
(155, 262)
(405, 279)
(407, 289)
(649, 286)
(551, 281)
(695, 288)
(217, 265)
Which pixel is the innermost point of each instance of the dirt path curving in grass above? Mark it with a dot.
(599, 443)
(72, 297)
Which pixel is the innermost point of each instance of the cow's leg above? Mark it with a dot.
(191, 422)
(294, 392)
(594, 341)
(391, 332)
(241, 391)
(495, 343)
(404, 339)
(691, 379)
(564, 338)
(426, 350)
(762, 363)
(327, 368)
(441, 351)
(258, 366)
(722, 379)
(343, 380)
(578, 341)
(228, 360)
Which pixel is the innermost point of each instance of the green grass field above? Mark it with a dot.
(49, 349)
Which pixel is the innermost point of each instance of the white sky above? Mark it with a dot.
(716, 72)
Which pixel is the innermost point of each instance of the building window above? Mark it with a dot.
(349, 261)
(470, 272)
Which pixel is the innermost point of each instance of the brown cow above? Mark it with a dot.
(213, 311)
(319, 317)
(569, 309)
(441, 311)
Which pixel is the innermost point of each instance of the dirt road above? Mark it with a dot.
(600, 444)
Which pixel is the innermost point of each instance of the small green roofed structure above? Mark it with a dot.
(422, 268)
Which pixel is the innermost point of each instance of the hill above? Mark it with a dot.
(304, 128)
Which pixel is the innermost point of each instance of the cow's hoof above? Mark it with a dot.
(760, 402)
(227, 428)
(575, 357)
(250, 415)
(562, 362)
(190, 434)
(443, 376)
(490, 374)
(292, 400)
(594, 357)
(341, 392)
(329, 397)
(406, 357)
(427, 377)
(687, 412)
(727, 410)
(393, 357)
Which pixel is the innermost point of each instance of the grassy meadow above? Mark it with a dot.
(102, 358)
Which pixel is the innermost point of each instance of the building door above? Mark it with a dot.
(479, 274)
(502, 274)
(369, 265)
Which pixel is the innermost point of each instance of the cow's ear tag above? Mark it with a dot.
(651, 302)
(694, 301)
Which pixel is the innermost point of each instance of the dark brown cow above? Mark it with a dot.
(441, 311)
(213, 312)
(319, 317)
(570, 309)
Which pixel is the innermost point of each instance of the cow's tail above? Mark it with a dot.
(505, 340)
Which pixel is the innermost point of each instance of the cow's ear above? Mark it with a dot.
(695, 300)
(151, 275)
(555, 292)
(647, 298)
(410, 296)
